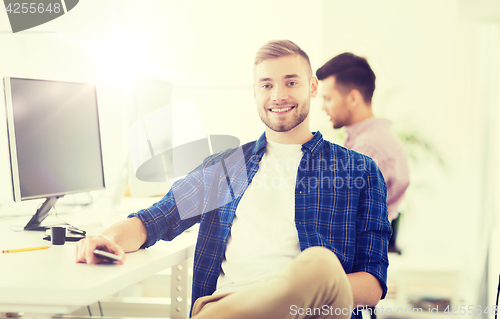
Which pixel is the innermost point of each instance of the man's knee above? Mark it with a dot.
(319, 259)
(318, 264)
(318, 272)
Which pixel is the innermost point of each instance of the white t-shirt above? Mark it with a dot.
(263, 238)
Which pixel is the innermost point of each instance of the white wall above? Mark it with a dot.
(206, 49)
(56, 51)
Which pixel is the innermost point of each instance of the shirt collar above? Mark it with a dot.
(315, 144)
(311, 146)
(260, 146)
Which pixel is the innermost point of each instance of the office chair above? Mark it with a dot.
(392, 241)
(391, 249)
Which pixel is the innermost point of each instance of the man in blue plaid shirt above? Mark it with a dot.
(291, 226)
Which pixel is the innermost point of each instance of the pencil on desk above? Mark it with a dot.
(23, 249)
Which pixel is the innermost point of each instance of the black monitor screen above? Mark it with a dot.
(54, 137)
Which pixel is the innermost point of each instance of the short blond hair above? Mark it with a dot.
(280, 48)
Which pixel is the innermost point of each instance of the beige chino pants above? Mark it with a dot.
(313, 285)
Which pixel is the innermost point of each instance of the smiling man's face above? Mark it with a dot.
(283, 89)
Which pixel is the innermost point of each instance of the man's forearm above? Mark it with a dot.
(129, 234)
(366, 289)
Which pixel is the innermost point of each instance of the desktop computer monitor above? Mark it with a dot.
(54, 141)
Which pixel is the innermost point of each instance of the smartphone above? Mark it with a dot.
(107, 255)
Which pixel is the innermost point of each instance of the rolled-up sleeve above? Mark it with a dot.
(163, 219)
(203, 190)
(372, 227)
(184, 204)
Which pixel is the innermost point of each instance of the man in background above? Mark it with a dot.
(348, 85)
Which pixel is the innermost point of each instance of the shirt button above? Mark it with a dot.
(228, 224)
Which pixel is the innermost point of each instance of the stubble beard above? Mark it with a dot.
(300, 114)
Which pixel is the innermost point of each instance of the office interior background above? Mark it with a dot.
(438, 80)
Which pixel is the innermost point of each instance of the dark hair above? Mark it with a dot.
(351, 72)
(279, 48)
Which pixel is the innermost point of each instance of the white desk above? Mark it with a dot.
(51, 282)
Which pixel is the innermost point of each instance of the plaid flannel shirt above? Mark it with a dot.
(340, 204)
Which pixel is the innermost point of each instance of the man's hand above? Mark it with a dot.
(125, 236)
(85, 249)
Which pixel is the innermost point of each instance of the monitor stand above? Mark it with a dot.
(41, 213)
